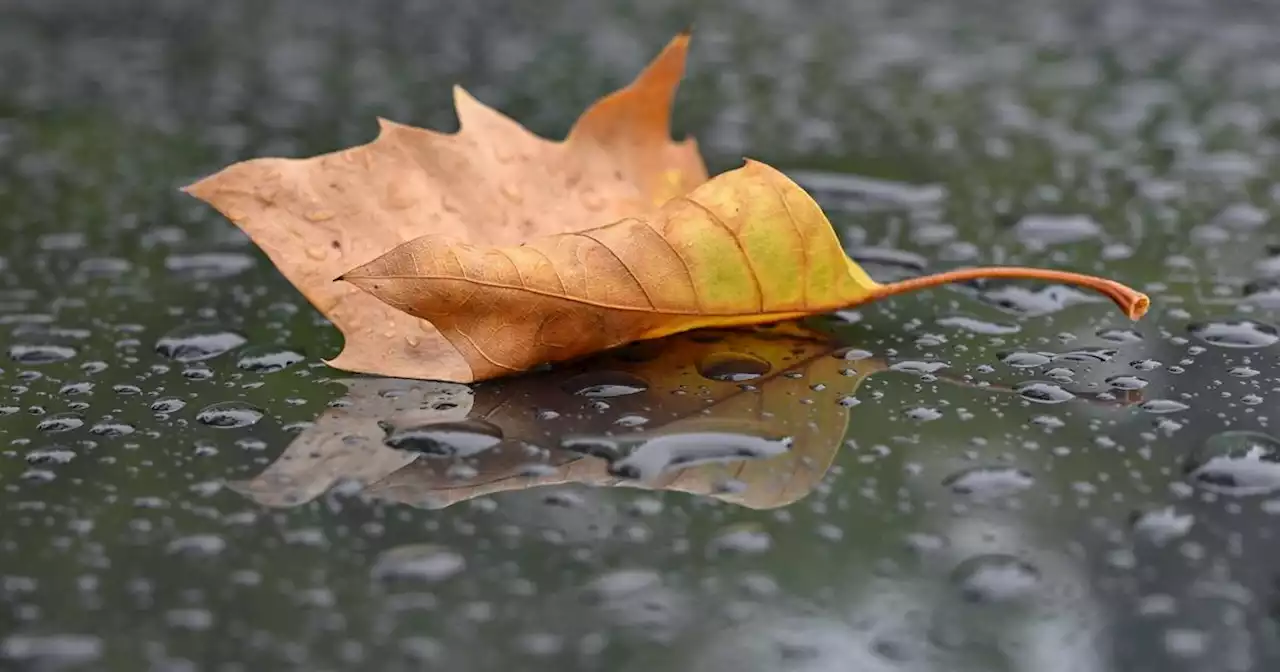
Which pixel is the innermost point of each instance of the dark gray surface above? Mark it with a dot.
(960, 527)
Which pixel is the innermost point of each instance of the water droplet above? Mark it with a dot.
(208, 265)
(744, 538)
(1088, 355)
(1116, 335)
(168, 405)
(977, 326)
(463, 438)
(1044, 393)
(1236, 463)
(1127, 382)
(28, 353)
(995, 578)
(112, 429)
(1025, 360)
(1244, 372)
(50, 456)
(1039, 231)
(605, 384)
(852, 354)
(51, 652)
(419, 562)
(644, 457)
(268, 360)
(734, 367)
(229, 415)
(1163, 406)
(199, 545)
(1235, 333)
(62, 422)
(987, 483)
(1163, 525)
(1034, 303)
(196, 342)
(923, 414)
(917, 367)
(1145, 364)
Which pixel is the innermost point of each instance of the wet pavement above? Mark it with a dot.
(993, 476)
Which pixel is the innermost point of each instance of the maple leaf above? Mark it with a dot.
(486, 252)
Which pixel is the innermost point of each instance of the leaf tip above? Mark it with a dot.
(685, 33)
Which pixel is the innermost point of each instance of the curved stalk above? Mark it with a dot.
(1131, 301)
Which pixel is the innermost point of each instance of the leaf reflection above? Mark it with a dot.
(751, 417)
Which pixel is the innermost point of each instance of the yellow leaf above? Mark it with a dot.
(748, 247)
(681, 386)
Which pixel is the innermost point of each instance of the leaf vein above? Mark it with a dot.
(746, 258)
(634, 278)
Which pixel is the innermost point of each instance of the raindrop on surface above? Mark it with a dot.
(1244, 372)
(1088, 355)
(923, 414)
(1163, 525)
(1028, 303)
(987, 483)
(462, 438)
(1236, 463)
(918, 367)
(995, 578)
(229, 415)
(1163, 406)
(1115, 335)
(168, 405)
(1043, 230)
(62, 422)
(419, 562)
(112, 429)
(1235, 333)
(745, 538)
(1127, 382)
(978, 326)
(54, 652)
(604, 384)
(852, 354)
(1044, 393)
(208, 265)
(1025, 360)
(50, 456)
(198, 545)
(196, 342)
(733, 367)
(33, 354)
(268, 360)
(645, 458)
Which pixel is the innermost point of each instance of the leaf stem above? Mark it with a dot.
(1131, 301)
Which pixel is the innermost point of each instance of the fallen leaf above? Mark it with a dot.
(491, 183)
(734, 415)
(490, 251)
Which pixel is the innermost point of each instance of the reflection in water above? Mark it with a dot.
(728, 414)
(752, 417)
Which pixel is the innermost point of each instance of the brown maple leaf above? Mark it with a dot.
(491, 183)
